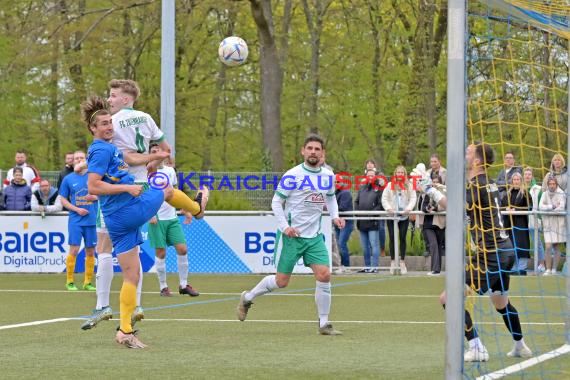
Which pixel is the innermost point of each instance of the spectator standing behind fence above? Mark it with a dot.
(29, 173)
(517, 198)
(437, 169)
(369, 198)
(18, 195)
(535, 193)
(67, 169)
(371, 164)
(46, 198)
(399, 196)
(554, 226)
(433, 227)
(344, 200)
(557, 169)
(507, 172)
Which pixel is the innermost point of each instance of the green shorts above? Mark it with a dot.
(165, 233)
(289, 250)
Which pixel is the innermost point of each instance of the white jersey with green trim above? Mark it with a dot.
(133, 131)
(166, 211)
(304, 190)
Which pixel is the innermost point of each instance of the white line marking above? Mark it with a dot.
(355, 322)
(526, 364)
(271, 294)
(35, 323)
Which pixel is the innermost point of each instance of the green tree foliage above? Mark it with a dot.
(368, 74)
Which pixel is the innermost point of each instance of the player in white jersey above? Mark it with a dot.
(133, 131)
(305, 189)
(165, 230)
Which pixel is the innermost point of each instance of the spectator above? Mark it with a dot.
(67, 169)
(371, 164)
(369, 198)
(399, 197)
(518, 199)
(437, 169)
(557, 169)
(29, 173)
(344, 200)
(554, 226)
(18, 195)
(433, 227)
(46, 198)
(535, 193)
(507, 172)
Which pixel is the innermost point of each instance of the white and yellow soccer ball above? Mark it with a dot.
(233, 51)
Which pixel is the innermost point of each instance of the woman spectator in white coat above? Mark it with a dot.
(554, 226)
(399, 196)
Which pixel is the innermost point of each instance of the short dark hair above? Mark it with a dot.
(17, 169)
(484, 152)
(68, 153)
(92, 107)
(510, 152)
(21, 151)
(314, 137)
(435, 155)
(152, 145)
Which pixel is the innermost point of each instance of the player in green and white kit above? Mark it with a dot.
(304, 190)
(165, 230)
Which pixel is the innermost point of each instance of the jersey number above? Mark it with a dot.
(139, 141)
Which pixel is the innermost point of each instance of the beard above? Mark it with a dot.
(313, 161)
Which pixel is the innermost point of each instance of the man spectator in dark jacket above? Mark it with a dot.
(46, 199)
(505, 174)
(369, 198)
(18, 195)
(344, 200)
(67, 169)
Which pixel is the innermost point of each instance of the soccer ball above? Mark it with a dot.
(232, 51)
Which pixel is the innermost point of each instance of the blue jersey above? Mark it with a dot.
(106, 160)
(74, 189)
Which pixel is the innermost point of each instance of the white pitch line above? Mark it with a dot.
(271, 294)
(335, 321)
(34, 323)
(526, 364)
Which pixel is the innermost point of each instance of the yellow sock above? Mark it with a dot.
(70, 266)
(183, 201)
(128, 301)
(89, 269)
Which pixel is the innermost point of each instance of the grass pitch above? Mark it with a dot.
(393, 329)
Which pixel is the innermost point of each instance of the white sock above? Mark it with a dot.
(323, 300)
(103, 279)
(266, 285)
(476, 343)
(182, 261)
(160, 265)
(519, 344)
(139, 285)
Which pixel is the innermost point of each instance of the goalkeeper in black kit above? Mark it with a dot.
(488, 269)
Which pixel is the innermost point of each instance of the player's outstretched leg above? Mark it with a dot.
(196, 207)
(103, 314)
(266, 285)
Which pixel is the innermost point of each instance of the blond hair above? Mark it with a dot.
(127, 86)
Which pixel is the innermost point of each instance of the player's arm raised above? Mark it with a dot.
(134, 159)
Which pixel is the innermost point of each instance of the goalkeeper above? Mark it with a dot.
(489, 268)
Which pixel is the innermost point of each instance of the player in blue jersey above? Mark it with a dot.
(82, 208)
(125, 207)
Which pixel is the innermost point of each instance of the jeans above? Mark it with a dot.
(342, 237)
(368, 240)
(540, 247)
(382, 232)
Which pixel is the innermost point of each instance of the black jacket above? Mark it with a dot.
(65, 171)
(368, 199)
